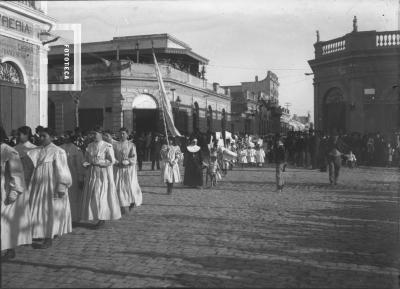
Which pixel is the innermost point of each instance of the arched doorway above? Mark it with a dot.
(145, 114)
(209, 118)
(223, 120)
(334, 111)
(12, 96)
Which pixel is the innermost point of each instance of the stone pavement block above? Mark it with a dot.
(238, 234)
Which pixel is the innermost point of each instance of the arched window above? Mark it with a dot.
(209, 118)
(196, 111)
(223, 120)
(10, 73)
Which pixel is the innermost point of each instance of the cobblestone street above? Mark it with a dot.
(239, 234)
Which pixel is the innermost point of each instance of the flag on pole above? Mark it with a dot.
(164, 102)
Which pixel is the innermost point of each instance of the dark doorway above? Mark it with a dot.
(51, 114)
(89, 118)
(12, 97)
(334, 112)
(145, 120)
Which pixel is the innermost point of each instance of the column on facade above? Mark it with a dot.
(43, 86)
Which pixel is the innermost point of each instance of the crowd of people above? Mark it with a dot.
(51, 182)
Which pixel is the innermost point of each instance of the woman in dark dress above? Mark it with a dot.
(193, 166)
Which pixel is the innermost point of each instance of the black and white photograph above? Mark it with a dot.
(200, 144)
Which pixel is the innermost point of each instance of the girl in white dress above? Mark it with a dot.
(243, 156)
(99, 199)
(170, 156)
(15, 214)
(260, 156)
(125, 173)
(75, 160)
(51, 178)
(251, 155)
(23, 146)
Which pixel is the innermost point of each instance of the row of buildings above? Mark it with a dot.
(120, 88)
(356, 83)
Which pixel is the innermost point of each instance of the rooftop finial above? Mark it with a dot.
(317, 35)
(355, 28)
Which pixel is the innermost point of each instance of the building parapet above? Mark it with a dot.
(356, 41)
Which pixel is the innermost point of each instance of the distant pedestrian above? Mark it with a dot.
(390, 152)
(140, 150)
(334, 157)
(260, 156)
(280, 163)
(251, 155)
(155, 153)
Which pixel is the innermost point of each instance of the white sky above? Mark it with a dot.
(242, 38)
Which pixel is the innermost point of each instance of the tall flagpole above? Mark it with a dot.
(162, 105)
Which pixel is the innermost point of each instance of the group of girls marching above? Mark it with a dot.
(47, 188)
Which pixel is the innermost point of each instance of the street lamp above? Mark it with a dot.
(46, 37)
(308, 73)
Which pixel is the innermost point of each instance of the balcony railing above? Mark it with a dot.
(138, 70)
(358, 41)
(388, 38)
(334, 45)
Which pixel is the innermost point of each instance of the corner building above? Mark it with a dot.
(120, 88)
(356, 82)
(23, 63)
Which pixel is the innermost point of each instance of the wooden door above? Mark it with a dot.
(12, 106)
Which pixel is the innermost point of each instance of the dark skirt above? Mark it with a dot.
(193, 171)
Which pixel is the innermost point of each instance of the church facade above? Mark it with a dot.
(356, 82)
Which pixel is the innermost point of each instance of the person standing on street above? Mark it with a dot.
(170, 156)
(23, 146)
(193, 166)
(148, 140)
(16, 227)
(125, 173)
(280, 163)
(140, 149)
(155, 153)
(49, 200)
(334, 158)
(75, 160)
(99, 198)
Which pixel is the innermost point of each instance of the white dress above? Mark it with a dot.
(170, 173)
(51, 214)
(251, 155)
(260, 156)
(27, 163)
(15, 217)
(99, 198)
(125, 176)
(243, 156)
(75, 160)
